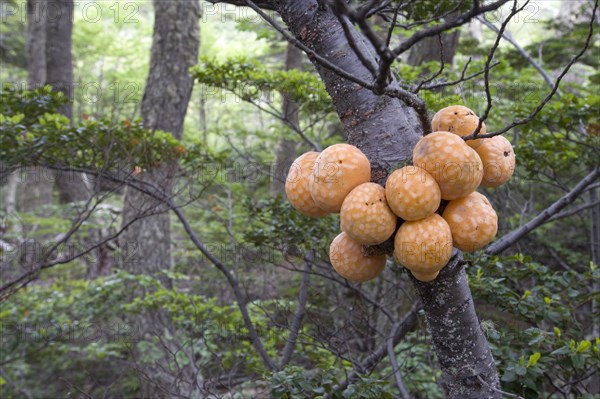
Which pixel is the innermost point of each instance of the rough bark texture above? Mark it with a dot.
(175, 44)
(168, 88)
(595, 247)
(386, 130)
(35, 184)
(59, 60)
(36, 44)
(59, 73)
(429, 49)
(459, 343)
(286, 148)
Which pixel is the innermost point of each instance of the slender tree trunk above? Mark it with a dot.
(386, 130)
(286, 148)
(35, 188)
(595, 246)
(59, 73)
(31, 187)
(175, 44)
(36, 44)
(429, 49)
(164, 105)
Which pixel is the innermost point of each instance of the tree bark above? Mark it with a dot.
(386, 130)
(34, 184)
(429, 49)
(286, 148)
(175, 44)
(36, 45)
(59, 60)
(164, 105)
(459, 343)
(59, 73)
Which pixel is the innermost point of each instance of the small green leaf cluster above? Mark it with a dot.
(251, 80)
(534, 333)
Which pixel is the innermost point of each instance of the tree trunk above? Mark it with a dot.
(386, 130)
(33, 185)
(595, 247)
(164, 105)
(286, 148)
(59, 61)
(436, 48)
(35, 189)
(429, 49)
(36, 45)
(59, 73)
(175, 44)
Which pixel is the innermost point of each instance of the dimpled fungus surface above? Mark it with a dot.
(349, 262)
(424, 246)
(472, 220)
(412, 193)
(498, 160)
(296, 185)
(337, 170)
(366, 216)
(455, 166)
(460, 120)
(425, 276)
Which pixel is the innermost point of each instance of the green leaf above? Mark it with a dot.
(533, 359)
(583, 346)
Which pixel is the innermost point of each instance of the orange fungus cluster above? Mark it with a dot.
(425, 209)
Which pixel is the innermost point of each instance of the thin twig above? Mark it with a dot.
(507, 36)
(300, 310)
(554, 89)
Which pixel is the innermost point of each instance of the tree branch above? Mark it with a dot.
(398, 331)
(299, 314)
(511, 238)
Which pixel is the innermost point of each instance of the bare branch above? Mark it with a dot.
(511, 238)
(299, 314)
(462, 78)
(490, 57)
(398, 331)
(439, 72)
(450, 24)
(396, 369)
(570, 212)
(508, 37)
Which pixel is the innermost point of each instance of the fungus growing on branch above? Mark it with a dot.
(472, 220)
(459, 120)
(455, 166)
(296, 185)
(412, 193)
(498, 160)
(424, 246)
(348, 260)
(365, 215)
(337, 170)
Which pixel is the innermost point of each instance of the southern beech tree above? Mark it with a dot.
(385, 120)
(334, 336)
(386, 129)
